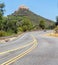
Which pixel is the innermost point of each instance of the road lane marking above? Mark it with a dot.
(19, 56)
(1, 53)
(22, 54)
(30, 43)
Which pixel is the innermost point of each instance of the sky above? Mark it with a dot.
(44, 8)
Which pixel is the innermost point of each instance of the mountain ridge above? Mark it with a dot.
(34, 18)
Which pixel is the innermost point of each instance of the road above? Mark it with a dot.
(33, 48)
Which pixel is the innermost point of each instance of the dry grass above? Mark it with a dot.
(53, 34)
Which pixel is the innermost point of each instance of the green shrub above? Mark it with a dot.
(56, 29)
(2, 33)
(20, 29)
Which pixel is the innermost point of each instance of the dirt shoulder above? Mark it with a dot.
(52, 34)
(9, 38)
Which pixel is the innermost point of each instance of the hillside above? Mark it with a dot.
(24, 11)
(23, 20)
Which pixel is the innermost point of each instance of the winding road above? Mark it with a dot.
(32, 48)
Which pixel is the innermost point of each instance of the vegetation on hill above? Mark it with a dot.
(34, 18)
(56, 21)
(56, 28)
(22, 20)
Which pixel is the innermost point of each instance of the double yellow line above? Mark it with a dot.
(22, 54)
(1, 53)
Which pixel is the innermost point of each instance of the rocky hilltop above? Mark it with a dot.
(34, 18)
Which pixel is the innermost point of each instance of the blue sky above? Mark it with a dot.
(45, 8)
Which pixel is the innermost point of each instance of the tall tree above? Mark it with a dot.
(42, 24)
(2, 8)
(1, 14)
(57, 21)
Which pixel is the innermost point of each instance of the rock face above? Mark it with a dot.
(23, 7)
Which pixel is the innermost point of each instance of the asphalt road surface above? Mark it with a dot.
(32, 48)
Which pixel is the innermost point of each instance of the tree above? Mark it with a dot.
(56, 29)
(42, 24)
(57, 21)
(26, 24)
(12, 26)
(2, 8)
(1, 14)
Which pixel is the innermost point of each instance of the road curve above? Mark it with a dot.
(45, 53)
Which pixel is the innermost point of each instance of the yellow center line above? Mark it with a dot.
(1, 53)
(22, 54)
(8, 51)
